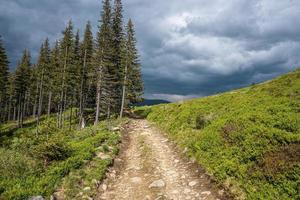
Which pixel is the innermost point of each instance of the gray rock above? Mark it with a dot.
(36, 198)
(186, 191)
(193, 183)
(221, 192)
(157, 184)
(136, 180)
(115, 129)
(206, 193)
(103, 156)
(86, 189)
(104, 187)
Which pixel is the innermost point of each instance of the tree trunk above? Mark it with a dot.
(27, 104)
(24, 105)
(9, 108)
(62, 91)
(108, 111)
(71, 112)
(35, 100)
(49, 103)
(19, 111)
(98, 92)
(124, 91)
(22, 114)
(40, 101)
(64, 109)
(15, 112)
(34, 109)
(98, 103)
(81, 106)
(1, 112)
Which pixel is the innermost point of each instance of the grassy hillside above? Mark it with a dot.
(249, 139)
(32, 164)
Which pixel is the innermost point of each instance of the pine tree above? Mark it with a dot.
(48, 75)
(55, 77)
(106, 76)
(12, 99)
(118, 34)
(34, 87)
(22, 82)
(66, 56)
(87, 72)
(74, 74)
(132, 73)
(4, 73)
(44, 74)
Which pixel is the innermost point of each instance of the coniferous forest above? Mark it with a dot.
(95, 77)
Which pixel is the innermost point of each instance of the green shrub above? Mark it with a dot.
(202, 121)
(51, 150)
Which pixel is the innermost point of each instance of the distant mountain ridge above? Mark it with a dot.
(151, 102)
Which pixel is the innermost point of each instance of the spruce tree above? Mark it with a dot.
(48, 77)
(74, 82)
(118, 34)
(135, 81)
(44, 74)
(66, 60)
(12, 100)
(22, 82)
(34, 87)
(55, 76)
(87, 73)
(4, 73)
(106, 76)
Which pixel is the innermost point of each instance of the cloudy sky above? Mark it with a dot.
(188, 48)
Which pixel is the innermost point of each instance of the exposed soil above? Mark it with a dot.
(150, 168)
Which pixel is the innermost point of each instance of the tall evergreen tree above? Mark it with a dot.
(106, 77)
(22, 82)
(12, 100)
(4, 73)
(56, 77)
(74, 74)
(87, 72)
(44, 74)
(34, 87)
(118, 34)
(132, 78)
(66, 58)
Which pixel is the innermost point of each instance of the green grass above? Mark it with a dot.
(32, 164)
(248, 139)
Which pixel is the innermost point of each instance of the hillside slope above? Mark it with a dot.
(248, 139)
(34, 164)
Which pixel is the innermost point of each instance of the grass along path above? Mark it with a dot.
(149, 168)
(32, 165)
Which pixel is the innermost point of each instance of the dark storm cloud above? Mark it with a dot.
(188, 48)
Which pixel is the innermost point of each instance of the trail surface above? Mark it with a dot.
(149, 168)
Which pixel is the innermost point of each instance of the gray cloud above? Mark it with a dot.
(188, 48)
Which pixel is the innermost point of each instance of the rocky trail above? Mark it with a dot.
(149, 168)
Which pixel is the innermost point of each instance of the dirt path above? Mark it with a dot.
(150, 169)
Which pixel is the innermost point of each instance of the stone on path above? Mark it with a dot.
(36, 198)
(157, 184)
(193, 183)
(206, 193)
(136, 180)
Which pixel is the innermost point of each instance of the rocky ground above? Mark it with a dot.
(149, 168)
